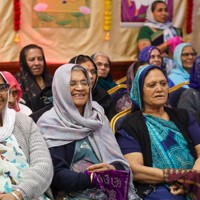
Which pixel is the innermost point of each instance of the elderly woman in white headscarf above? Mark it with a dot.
(26, 169)
(79, 137)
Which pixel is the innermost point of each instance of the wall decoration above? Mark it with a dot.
(17, 18)
(133, 12)
(61, 13)
(107, 18)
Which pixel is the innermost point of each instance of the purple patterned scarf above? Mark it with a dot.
(114, 183)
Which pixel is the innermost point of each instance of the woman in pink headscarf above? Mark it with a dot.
(15, 94)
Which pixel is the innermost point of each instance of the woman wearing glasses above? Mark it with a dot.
(103, 64)
(184, 56)
(78, 136)
(25, 164)
(99, 95)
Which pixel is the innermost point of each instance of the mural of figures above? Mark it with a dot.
(133, 12)
(138, 5)
(61, 13)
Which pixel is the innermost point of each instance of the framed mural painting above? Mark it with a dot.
(61, 13)
(133, 12)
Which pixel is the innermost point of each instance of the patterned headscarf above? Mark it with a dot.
(136, 93)
(13, 83)
(195, 74)
(145, 53)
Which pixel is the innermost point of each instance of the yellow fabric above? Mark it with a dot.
(61, 44)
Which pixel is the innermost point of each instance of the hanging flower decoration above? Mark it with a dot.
(107, 18)
(189, 16)
(17, 19)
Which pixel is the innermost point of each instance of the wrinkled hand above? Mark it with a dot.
(176, 190)
(173, 42)
(100, 167)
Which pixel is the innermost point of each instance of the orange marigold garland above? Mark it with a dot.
(189, 16)
(107, 18)
(17, 18)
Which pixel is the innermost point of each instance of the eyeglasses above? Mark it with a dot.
(83, 83)
(99, 64)
(193, 54)
(4, 88)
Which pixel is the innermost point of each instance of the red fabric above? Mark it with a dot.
(189, 16)
(17, 15)
(189, 179)
(13, 83)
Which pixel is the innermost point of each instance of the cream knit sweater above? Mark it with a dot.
(38, 177)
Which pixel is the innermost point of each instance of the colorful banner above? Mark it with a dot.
(133, 12)
(61, 13)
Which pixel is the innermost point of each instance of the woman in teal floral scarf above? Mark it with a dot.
(155, 138)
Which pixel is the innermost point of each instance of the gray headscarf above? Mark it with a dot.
(64, 124)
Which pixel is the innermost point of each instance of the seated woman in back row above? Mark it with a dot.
(34, 78)
(152, 55)
(155, 139)
(79, 137)
(103, 64)
(184, 57)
